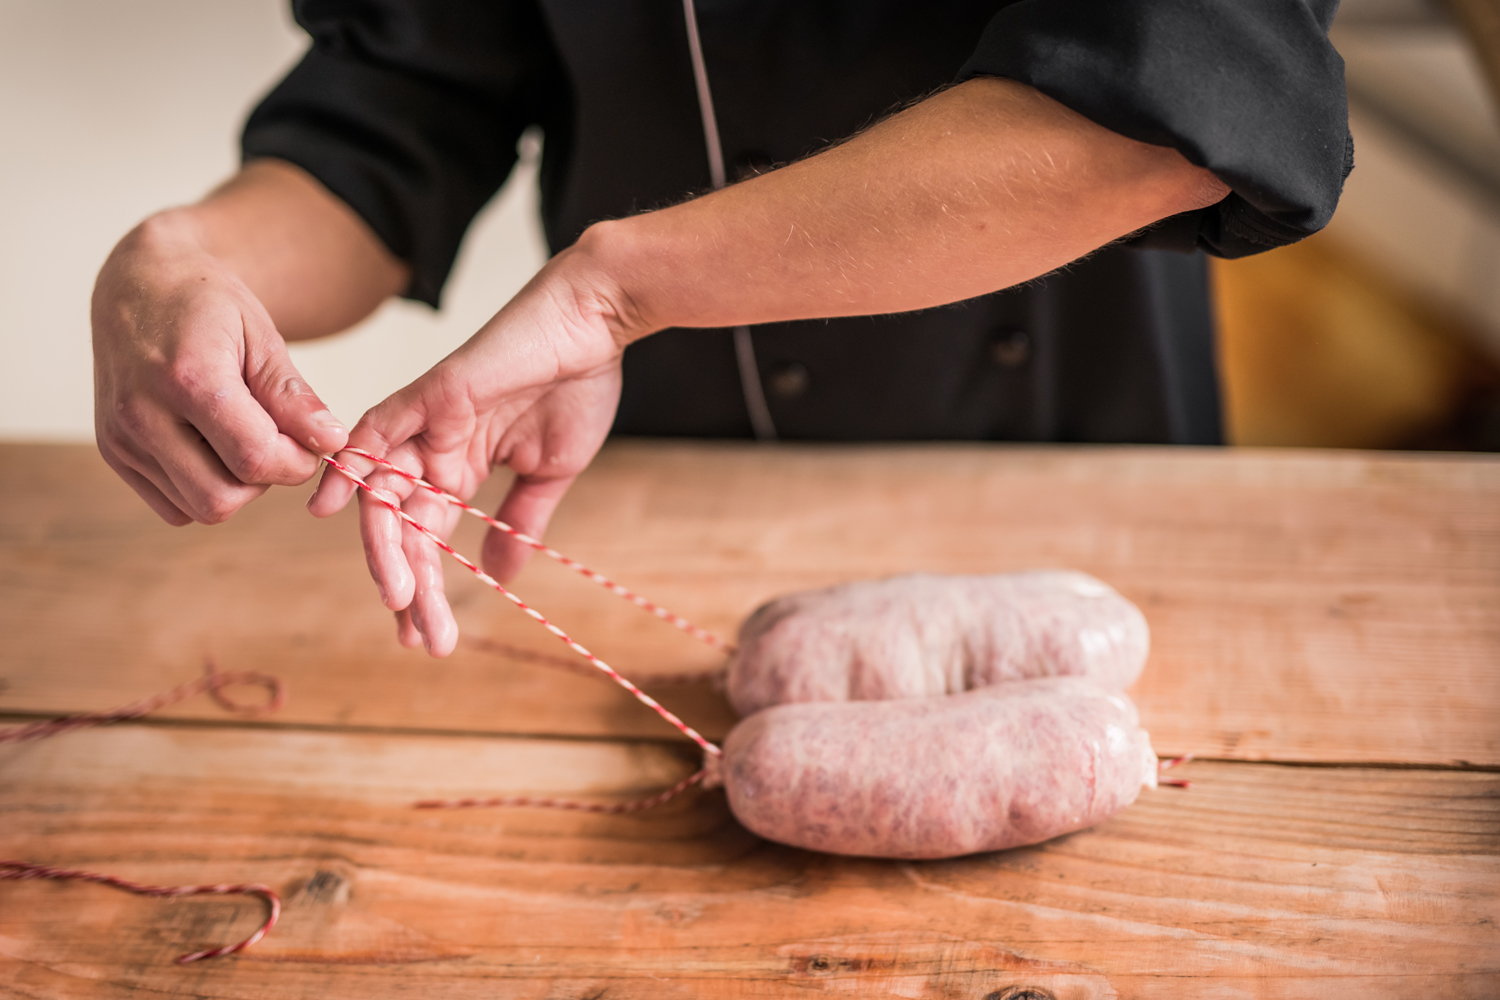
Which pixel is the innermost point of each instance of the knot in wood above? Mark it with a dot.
(1021, 993)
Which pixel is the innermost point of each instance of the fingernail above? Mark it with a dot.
(327, 422)
(326, 419)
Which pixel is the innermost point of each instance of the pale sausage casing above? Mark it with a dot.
(993, 768)
(921, 635)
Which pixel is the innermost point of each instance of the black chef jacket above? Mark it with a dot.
(410, 110)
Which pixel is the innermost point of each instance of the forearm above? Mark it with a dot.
(310, 260)
(978, 188)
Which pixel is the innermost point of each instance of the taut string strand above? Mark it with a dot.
(656, 609)
(614, 675)
(520, 654)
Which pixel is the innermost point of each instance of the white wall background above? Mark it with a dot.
(111, 109)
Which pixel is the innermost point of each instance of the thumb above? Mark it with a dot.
(527, 508)
(282, 391)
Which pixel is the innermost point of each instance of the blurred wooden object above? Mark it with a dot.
(1313, 614)
(1480, 21)
(1320, 349)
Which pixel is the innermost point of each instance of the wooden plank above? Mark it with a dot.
(1262, 881)
(1304, 606)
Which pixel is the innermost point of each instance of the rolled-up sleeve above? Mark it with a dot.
(1253, 91)
(409, 111)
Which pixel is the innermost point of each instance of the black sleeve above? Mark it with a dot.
(409, 110)
(1250, 89)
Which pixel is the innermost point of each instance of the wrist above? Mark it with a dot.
(153, 255)
(610, 270)
(139, 263)
(167, 233)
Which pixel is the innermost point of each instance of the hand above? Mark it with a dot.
(535, 389)
(196, 404)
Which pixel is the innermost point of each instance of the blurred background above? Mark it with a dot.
(1382, 332)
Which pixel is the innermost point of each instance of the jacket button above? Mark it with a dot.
(1010, 348)
(788, 380)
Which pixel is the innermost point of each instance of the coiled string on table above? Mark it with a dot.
(20, 871)
(211, 683)
(214, 681)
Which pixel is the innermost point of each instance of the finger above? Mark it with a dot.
(297, 411)
(247, 442)
(150, 470)
(182, 465)
(334, 489)
(155, 498)
(407, 633)
(221, 402)
(527, 507)
(430, 613)
(152, 439)
(212, 494)
(375, 434)
(380, 531)
(122, 453)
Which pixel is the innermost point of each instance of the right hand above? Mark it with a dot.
(196, 402)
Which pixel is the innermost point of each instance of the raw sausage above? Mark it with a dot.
(920, 635)
(938, 777)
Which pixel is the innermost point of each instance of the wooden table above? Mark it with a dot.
(1326, 632)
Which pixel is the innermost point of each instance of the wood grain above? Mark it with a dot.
(1261, 881)
(1304, 606)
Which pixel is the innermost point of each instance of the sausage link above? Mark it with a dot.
(921, 635)
(938, 777)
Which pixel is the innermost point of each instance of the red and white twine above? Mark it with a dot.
(607, 808)
(20, 871)
(1167, 765)
(210, 683)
